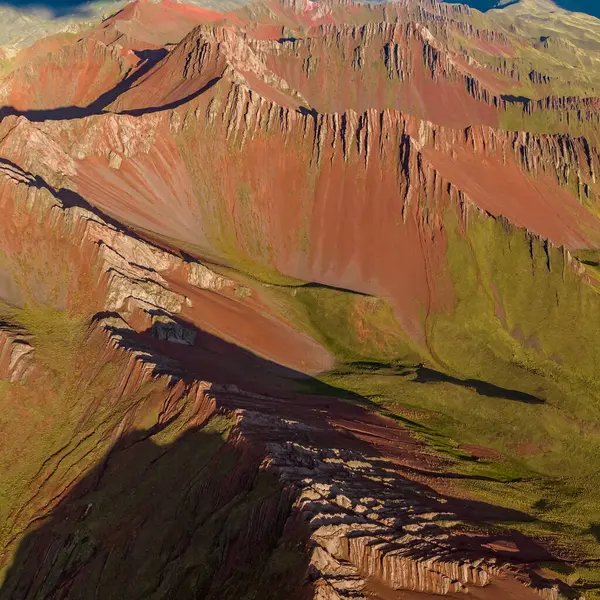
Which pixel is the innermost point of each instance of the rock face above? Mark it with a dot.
(175, 184)
(340, 503)
(15, 355)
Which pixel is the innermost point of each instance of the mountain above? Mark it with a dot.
(582, 6)
(300, 300)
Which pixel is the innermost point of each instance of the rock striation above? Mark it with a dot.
(171, 183)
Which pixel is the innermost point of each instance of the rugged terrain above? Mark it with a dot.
(300, 300)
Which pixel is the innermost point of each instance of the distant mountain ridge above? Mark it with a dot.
(590, 7)
(30, 20)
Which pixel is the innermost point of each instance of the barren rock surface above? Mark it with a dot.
(263, 266)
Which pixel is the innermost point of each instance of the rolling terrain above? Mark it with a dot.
(300, 300)
(588, 7)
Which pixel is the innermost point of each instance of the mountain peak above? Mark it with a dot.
(299, 301)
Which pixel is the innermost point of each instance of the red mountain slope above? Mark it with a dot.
(290, 309)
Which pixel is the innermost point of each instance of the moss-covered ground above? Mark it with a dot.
(512, 368)
(162, 500)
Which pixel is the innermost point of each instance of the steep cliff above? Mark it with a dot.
(291, 308)
(292, 499)
(295, 476)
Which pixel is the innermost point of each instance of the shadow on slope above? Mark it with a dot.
(483, 388)
(215, 352)
(183, 511)
(189, 519)
(67, 198)
(194, 518)
(148, 59)
(65, 113)
(192, 354)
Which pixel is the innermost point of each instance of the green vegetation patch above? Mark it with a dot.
(354, 327)
(511, 368)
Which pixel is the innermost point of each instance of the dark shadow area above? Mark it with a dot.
(595, 531)
(148, 59)
(175, 345)
(171, 105)
(191, 519)
(308, 112)
(463, 476)
(425, 375)
(219, 348)
(64, 113)
(97, 107)
(178, 512)
(324, 286)
(516, 99)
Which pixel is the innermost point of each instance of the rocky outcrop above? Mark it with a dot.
(131, 269)
(572, 162)
(367, 522)
(361, 198)
(539, 78)
(363, 520)
(402, 8)
(473, 32)
(202, 277)
(428, 170)
(206, 55)
(16, 355)
(414, 54)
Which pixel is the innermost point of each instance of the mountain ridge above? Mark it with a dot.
(300, 300)
(580, 6)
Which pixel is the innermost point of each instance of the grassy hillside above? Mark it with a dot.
(512, 368)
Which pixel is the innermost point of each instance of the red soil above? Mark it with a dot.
(46, 45)
(362, 210)
(446, 103)
(73, 75)
(481, 451)
(152, 191)
(146, 23)
(337, 85)
(248, 324)
(501, 188)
